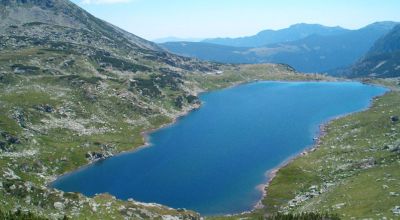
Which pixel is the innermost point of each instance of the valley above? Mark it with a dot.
(308, 48)
(76, 90)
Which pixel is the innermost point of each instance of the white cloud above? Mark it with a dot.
(88, 2)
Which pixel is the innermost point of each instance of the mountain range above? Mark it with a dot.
(292, 33)
(306, 47)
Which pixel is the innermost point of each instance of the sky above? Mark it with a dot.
(154, 19)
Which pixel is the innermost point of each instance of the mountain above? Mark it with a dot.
(292, 33)
(314, 53)
(210, 52)
(74, 90)
(64, 14)
(383, 60)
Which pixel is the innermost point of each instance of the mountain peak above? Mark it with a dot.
(302, 25)
(63, 13)
(382, 25)
(315, 27)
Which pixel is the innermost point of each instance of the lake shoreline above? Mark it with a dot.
(144, 134)
(272, 173)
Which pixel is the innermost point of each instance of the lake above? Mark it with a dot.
(213, 159)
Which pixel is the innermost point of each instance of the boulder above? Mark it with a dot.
(396, 210)
(59, 206)
(3, 146)
(12, 139)
(93, 156)
(45, 108)
(395, 149)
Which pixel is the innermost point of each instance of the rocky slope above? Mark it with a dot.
(383, 60)
(66, 15)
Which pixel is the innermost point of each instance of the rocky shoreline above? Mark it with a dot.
(271, 174)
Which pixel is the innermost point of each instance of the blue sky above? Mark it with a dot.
(154, 19)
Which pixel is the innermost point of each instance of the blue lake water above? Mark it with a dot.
(213, 159)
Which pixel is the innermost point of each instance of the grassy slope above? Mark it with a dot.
(234, 75)
(88, 114)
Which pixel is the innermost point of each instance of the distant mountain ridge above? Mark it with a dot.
(175, 39)
(209, 51)
(314, 53)
(292, 33)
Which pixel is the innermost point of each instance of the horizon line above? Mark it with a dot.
(270, 29)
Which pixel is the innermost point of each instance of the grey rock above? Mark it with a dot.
(45, 108)
(394, 118)
(59, 206)
(396, 210)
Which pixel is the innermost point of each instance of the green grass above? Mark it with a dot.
(233, 75)
(19, 215)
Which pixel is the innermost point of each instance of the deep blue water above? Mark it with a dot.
(213, 159)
